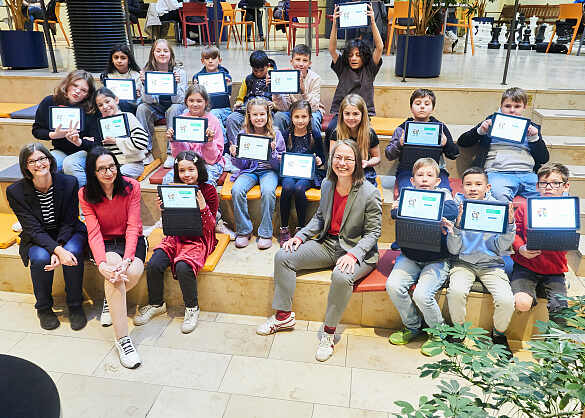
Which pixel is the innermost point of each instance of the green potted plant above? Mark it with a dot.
(19, 48)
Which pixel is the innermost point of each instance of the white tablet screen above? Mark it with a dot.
(253, 147)
(294, 165)
(423, 133)
(179, 197)
(123, 89)
(509, 128)
(160, 83)
(114, 126)
(213, 83)
(481, 217)
(66, 117)
(189, 129)
(420, 204)
(553, 213)
(352, 15)
(284, 81)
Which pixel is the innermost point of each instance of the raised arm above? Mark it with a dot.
(333, 36)
(378, 43)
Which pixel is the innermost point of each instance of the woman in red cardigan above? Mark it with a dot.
(111, 205)
(185, 255)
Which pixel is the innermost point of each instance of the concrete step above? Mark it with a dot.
(570, 122)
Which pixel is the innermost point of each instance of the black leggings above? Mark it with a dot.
(155, 271)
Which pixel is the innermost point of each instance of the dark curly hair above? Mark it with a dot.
(362, 46)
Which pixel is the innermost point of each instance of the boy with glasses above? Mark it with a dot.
(540, 268)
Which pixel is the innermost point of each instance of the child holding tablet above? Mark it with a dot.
(258, 121)
(428, 270)
(354, 123)
(185, 255)
(155, 108)
(122, 66)
(422, 105)
(480, 256)
(129, 150)
(356, 68)
(300, 140)
(510, 166)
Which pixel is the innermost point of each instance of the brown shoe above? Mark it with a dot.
(284, 235)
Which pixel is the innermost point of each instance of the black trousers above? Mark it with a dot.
(155, 270)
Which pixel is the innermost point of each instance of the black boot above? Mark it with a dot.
(77, 318)
(48, 319)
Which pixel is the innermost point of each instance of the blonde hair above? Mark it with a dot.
(248, 127)
(151, 63)
(363, 135)
(426, 162)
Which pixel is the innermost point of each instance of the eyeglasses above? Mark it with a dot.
(341, 158)
(111, 168)
(552, 184)
(41, 160)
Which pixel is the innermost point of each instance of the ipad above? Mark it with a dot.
(214, 83)
(124, 89)
(188, 129)
(285, 81)
(156, 83)
(115, 126)
(178, 197)
(423, 133)
(65, 116)
(553, 213)
(254, 147)
(484, 216)
(353, 15)
(299, 166)
(508, 128)
(421, 204)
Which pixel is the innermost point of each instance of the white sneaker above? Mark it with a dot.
(169, 162)
(191, 42)
(17, 227)
(222, 228)
(273, 325)
(325, 349)
(106, 318)
(148, 159)
(129, 357)
(190, 320)
(147, 312)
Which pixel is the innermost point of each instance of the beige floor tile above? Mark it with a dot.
(377, 390)
(169, 367)
(148, 334)
(179, 311)
(9, 339)
(88, 397)
(19, 316)
(62, 354)
(253, 407)
(326, 411)
(56, 376)
(180, 403)
(217, 337)
(302, 345)
(254, 320)
(353, 329)
(17, 297)
(288, 380)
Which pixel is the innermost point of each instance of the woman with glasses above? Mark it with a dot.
(45, 203)
(111, 205)
(347, 226)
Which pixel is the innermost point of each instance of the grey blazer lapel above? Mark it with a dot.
(327, 194)
(350, 199)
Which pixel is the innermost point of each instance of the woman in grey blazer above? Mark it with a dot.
(343, 234)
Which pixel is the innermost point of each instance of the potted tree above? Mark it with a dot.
(19, 48)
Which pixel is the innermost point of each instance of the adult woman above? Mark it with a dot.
(46, 206)
(70, 144)
(347, 225)
(111, 205)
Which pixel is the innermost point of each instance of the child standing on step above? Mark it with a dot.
(155, 108)
(510, 167)
(122, 65)
(356, 68)
(300, 140)
(422, 105)
(480, 256)
(354, 123)
(258, 121)
(131, 150)
(185, 255)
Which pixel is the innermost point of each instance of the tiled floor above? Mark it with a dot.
(222, 369)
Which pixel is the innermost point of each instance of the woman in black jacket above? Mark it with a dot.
(47, 207)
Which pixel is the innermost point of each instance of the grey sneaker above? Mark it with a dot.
(148, 159)
(242, 241)
(106, 318)
(222, 228)
(273, 325)
(325, 349)
(264, 243)
(284, 235)
(147, 312)
(129, 357)
(190, 320)
(169, 162)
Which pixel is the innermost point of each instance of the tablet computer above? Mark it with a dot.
(353, 15)
(115, 126)
(508, 128)
(178, 197)
(421, 204)
(553, 213)
(188, 129)
(285, 81)
(181, 215)
(214, 83)
(66, 117)
(484, 216)
(254, 147)
(124, 89)
(156, 83)
(423, 133)
(299, 166)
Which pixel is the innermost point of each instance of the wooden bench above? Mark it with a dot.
(7, 108)
(547, 13)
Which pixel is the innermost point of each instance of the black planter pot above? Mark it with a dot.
(23, 49)
(425, 56)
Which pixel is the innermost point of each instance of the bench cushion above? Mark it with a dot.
(26, 113)
(376, 280)
(10, 174)
(385, 126)
(7, 108)
(158, 176)
(7, 235)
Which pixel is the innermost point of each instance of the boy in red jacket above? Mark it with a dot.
(535, 268)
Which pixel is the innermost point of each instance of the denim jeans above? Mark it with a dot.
(222, 114)
(214, 172)
(133, 170)
(43, 280)
(506, 185)
(294, 189)
(233, 124)
(429, 277)
(148, 113)
(268, 180)
(282, 121)
(73, 164)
